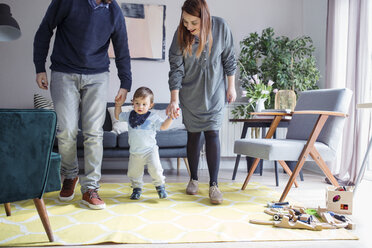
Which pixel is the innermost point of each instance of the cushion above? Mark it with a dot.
(123, 140)
(118, 126)
(109, 140)
(41, 102)
(171, 138)
(279, 149)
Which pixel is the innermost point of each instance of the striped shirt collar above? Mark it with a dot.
(96, 6)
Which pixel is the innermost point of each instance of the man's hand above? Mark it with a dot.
(121, 97)
(42, 80)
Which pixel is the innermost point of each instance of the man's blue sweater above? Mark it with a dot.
(82, 39)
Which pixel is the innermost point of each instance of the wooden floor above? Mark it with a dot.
(311, 193)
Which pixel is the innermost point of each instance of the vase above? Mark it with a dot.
(260, 105)
(285, 99)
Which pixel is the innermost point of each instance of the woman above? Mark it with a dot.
(200, 57)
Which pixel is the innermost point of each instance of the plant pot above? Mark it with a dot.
(285, 99)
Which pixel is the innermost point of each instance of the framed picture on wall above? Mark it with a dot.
(146, 31)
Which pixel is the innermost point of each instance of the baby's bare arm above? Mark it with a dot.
(166, 124)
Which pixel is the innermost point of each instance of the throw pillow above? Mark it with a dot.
(40, 102)
(118, 126)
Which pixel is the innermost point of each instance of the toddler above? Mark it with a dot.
(142, 127)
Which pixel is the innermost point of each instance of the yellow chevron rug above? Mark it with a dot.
(179, 219)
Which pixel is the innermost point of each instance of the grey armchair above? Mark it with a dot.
(313, 134)
(28, 166)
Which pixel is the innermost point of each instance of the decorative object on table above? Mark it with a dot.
(9, 28)
(289, 63)
(257, 93)
(285, 99)
(260, 105)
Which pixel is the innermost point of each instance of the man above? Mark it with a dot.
(79, 82)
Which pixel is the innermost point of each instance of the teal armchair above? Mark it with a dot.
(28, 166)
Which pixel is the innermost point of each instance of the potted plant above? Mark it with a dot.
(289, 63)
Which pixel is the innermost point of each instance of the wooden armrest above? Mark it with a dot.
(271, 113)
(319, 112)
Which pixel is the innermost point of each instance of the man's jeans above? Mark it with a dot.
(72, 95)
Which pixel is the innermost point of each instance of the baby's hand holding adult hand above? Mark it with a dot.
(172, 110)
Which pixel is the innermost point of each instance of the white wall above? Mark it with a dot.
(288, 17)
(315, 19)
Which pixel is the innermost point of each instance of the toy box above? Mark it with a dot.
(340, 199)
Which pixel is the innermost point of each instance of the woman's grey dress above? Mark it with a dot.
(202, 81)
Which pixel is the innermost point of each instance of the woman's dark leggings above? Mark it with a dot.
(212, 147)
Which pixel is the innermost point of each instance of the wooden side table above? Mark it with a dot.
(257, 122)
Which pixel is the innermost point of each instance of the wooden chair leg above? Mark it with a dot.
(8, 210)
(178, 166)
(291, 180)
(250, 173)
(41, 209)
(287, 170)
(187, 165)
(322, 165)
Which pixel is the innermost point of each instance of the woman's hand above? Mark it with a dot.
(231, 94)
(173, 110)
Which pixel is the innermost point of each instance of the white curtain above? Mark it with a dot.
(349, 64)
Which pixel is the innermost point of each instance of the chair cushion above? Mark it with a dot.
(279, 149)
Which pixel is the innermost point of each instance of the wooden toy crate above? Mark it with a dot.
(339, 201)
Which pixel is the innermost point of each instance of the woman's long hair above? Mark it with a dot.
(198, 8)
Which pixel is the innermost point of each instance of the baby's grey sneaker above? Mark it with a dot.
(161, 191)
(136, 194)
